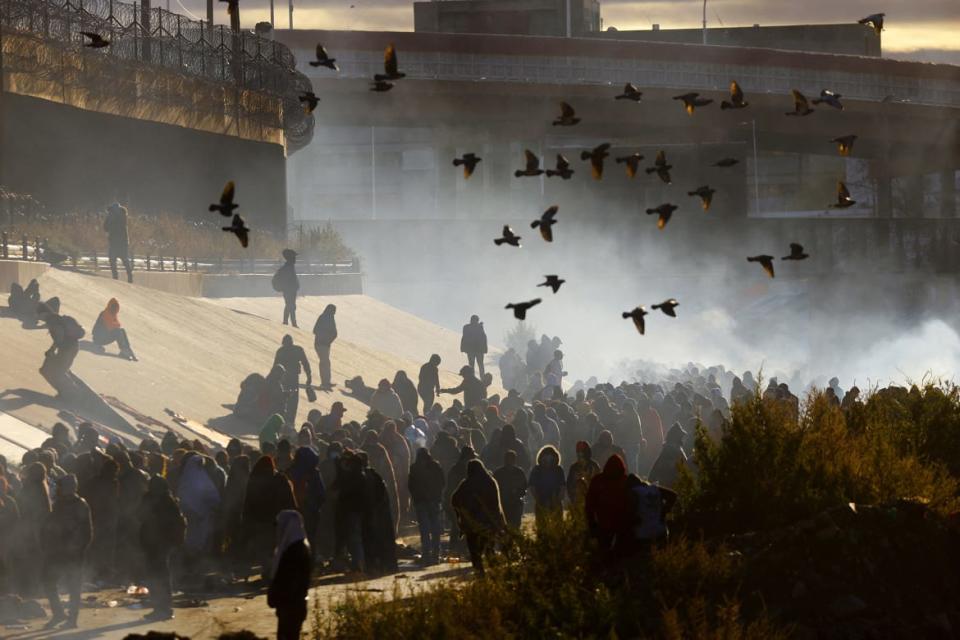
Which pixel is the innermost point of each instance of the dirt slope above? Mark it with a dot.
(194, 352)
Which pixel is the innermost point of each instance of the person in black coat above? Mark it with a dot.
(474, 343)
(118, 241)
(426, 483)
(286, 282)
(324, 333)
(292, 568)
(65, 537)
(407, 392)
(512, 482)
(162, 529)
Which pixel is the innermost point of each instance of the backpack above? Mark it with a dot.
(72, 329)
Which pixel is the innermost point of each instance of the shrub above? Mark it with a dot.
(518, 337)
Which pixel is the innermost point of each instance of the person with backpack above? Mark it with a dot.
(163, 528)
(107, 330)
(66, 333)
(324, 333)
(119, 243)
(286, 282)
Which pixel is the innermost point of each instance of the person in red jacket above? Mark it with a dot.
(607, 504)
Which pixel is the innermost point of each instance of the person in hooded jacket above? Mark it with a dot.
(285, 281)
(107, 330)
(605, 447)
(268, 493)
(379, 526)
(380, 461)
(581, 473)
(476, 503)
(200, 501)
(65, 536)
(547, 484)
(103, 494)
(399, 451)
(664, 471)
(308, 488)
(428, 383)
(324, 333)
(426, 483)
(292, 567)
(386, 401)
(445, 449)
(351, 508)
(512, 482)
(606, 505)
(406, 391)
(162, 529)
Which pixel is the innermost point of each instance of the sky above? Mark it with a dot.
(928, 28)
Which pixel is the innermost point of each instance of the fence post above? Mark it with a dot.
(195, 265)
(96, 262)
(148, 262)
(43, 249)
(3, 245)
(24, 249)
(161, 263)
(36, 248)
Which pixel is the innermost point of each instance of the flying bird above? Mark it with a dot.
(632, 161)
(726, 162)
(532, 165)
(796, 252)
(563, 168)
(226, 204)
(239, 228)
(390, 71)
(596, 156)
(660, 167)
(665, 210)
(309, 100)
(96, 40)
(875, 20)
(553, 282)
(508, 237)
(381, 86)
(765, 261)
(520, 308)
(546, 222)
(668, 307)
(843, 197)
(324, 59)
(568, 117)
(692, 100)
(830, 98)
(630, 92)
(845, 144)
(706, 195)
(736, 98)
(469, 162)
(637, 316)
(800, 105)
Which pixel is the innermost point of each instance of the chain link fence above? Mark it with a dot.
(159, 65)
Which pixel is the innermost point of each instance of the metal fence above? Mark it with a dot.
(35, 249)
(190, 49)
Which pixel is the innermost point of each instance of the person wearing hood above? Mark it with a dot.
(664, 471)
(445, 449)
(200, 502)
(454, 477)
(162, 529)
(396, 445)
(285, 281)
(66, 536)
(476, 503)
(103, 493)
(379, 531)
(308, 489)
(291, 570)
(350, 509)
(107, 330)
(512, 482)
(233, 497)
(604, 447)
(507, 441)
(581, 473)
(293, 359)
(22, 303)
(272, 398)
(65, 332)
(606, 504)
(629, 433)
(473, 342)
(380, 461)
(406, 391)
(268, 493)
(472, 388)
(386, 401)
(547, 484)
(324, 333)
(117, 240)
(428, 383)
(426, 484)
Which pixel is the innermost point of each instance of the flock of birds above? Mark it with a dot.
(563, 169)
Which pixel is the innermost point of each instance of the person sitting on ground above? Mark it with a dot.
(107, 330)
(292, 568)
(23, 302)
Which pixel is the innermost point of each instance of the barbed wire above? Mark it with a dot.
(262, 72)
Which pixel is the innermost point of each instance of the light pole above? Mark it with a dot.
(704, 21)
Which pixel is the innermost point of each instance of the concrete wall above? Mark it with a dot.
(70, 159)
(20, 272)
(207, 285)
(531, 17)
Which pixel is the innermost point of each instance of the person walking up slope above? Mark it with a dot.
(324, 333)
(286, 282)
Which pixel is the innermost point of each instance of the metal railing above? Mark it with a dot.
(35, 249)
(190, 49)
